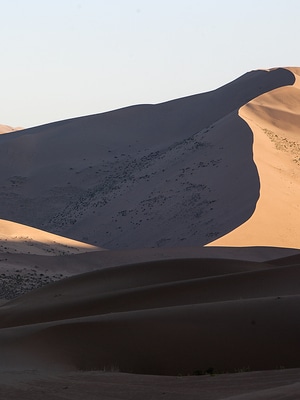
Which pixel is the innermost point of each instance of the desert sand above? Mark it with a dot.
(274, 120)
(34, 385)
(213, 318)
(180, 173)
(7, 129)
(196, 202)
(18, 238)
(165, 317)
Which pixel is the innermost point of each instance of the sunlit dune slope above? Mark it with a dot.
(274, 119)
(17, 238)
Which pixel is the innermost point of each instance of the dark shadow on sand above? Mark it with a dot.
(117, 150)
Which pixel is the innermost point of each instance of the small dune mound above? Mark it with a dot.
(8, 129)
(18, 238)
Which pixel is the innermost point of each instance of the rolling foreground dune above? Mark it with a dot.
(198, 316)
(197, 200)
(164, 317)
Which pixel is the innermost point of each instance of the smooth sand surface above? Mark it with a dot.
(34, 385)
(59, 359)
(18, 238)
(274, 119)
(21, 273)
(163, 317)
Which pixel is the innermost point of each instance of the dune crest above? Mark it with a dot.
(274, 119)
(179, 173)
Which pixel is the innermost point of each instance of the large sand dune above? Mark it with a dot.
(154, 184)
(180, 173)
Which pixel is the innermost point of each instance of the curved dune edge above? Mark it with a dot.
(171, 174)
(276, 153)
(18, 238)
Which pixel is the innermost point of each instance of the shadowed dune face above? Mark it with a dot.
(164, 317)
(176, 173)
(21, 273)
(265, 385)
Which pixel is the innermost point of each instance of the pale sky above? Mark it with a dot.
(66, 58)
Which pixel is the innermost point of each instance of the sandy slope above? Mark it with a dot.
(21, 272)
(176, 173)
(34, 385)
(8, 129)
(18, 238)
(165, 317)
(262, 333)
(274, 118)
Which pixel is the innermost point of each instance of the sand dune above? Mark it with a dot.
(267, 385)
(156, 284)
(22, 273)
(155, 183)
(18, 238)
(274, 120)
(180, 173)
(165, 317)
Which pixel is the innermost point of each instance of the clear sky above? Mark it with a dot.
(66, 58)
